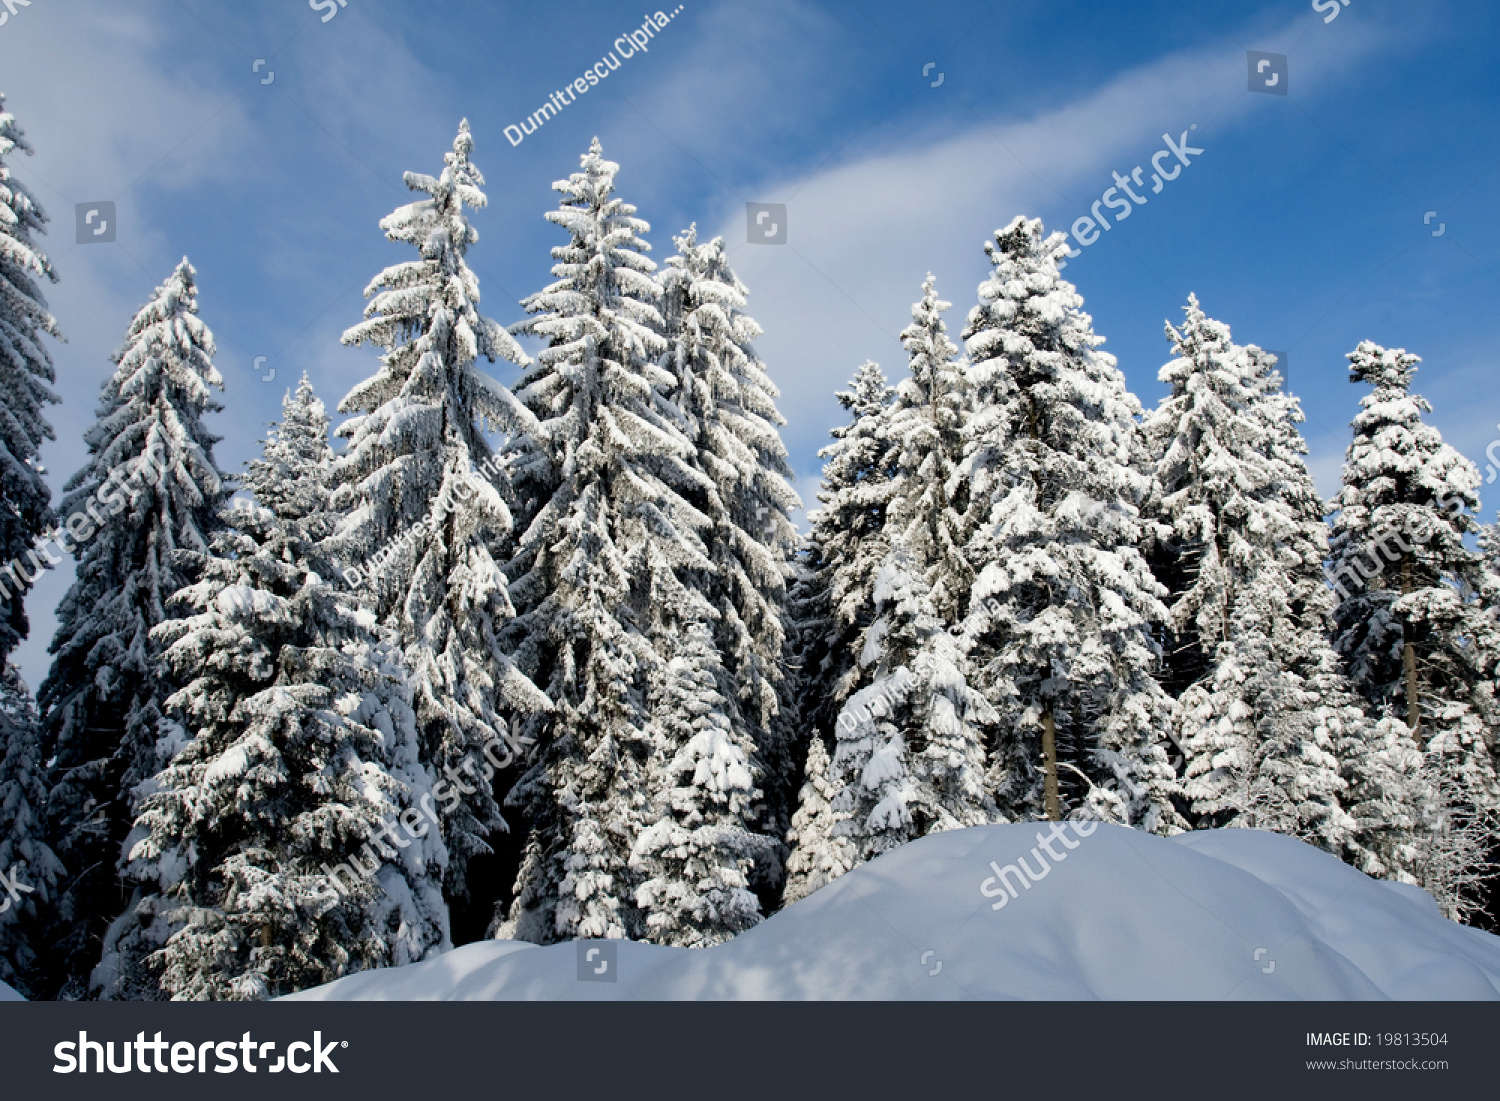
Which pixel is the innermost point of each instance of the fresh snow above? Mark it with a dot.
(1124, 915)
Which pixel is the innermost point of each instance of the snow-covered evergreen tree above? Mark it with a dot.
(928, 423)
(1063, 613)
(696, 860)
(1264, 706)
(603, 571)
(420, 488)
(818, 854)
(151, 467)
(909, 747)
(25, 857)
(833, 599)
(1415, 822)
(297, 747)
(26, 376)
(1416, 638)
(726, 404)
(909, 757)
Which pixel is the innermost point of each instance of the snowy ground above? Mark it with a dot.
(1119, 914)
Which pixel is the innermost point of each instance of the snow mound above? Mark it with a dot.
(1116, 914)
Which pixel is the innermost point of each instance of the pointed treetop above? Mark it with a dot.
(168, 342)
(1027, 237)
(305, 394)
(1382, 368)
(927, 330)
(871, 391)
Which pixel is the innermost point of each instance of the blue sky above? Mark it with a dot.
(1301, 224)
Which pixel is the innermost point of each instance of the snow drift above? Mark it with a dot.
(1116, 914)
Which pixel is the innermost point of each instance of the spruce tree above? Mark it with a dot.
(909, 747)
(151, 467)
(695, 862)
(726, 406)
(25, 857)
(1411, 625)
(909, 757)
(1264, 707)
(1416, 634)
(818, 854)
(833, 599)
(604, 570)
(252, 854)
(26, 376)
(423, 494)
(929, 423)
(1064, 610)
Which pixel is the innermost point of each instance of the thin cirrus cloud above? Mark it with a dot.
(865, 231)
(103, 118)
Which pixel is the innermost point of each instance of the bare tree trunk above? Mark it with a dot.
(1049, 756)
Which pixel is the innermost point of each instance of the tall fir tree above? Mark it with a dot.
(26, 377)
(299, 747)
(1064, 609)
(1264, 709)
(929, 423)
(910, 747)
(151, 466)
(819, 855)
(695, 862)
(909, 755)
(604, 572)
(422, 491)
(25, 858)
(1411, 626)
(832, 602)
(1419, 642)
(726, 406)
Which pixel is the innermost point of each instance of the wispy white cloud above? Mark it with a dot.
(864, 231)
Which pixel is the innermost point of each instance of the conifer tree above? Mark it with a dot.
(604, 483)
(695, 861)
(151, 467)
(419, 484)
(1264, 707)
(726, 406)
(928, 422)
(833, 598)
(818, 854)
(1419, 642)
(1413, 632)
(909, 759)
(25, 857)
(299, 749)
(1063, 612)
(26, 377)
(909, 748)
